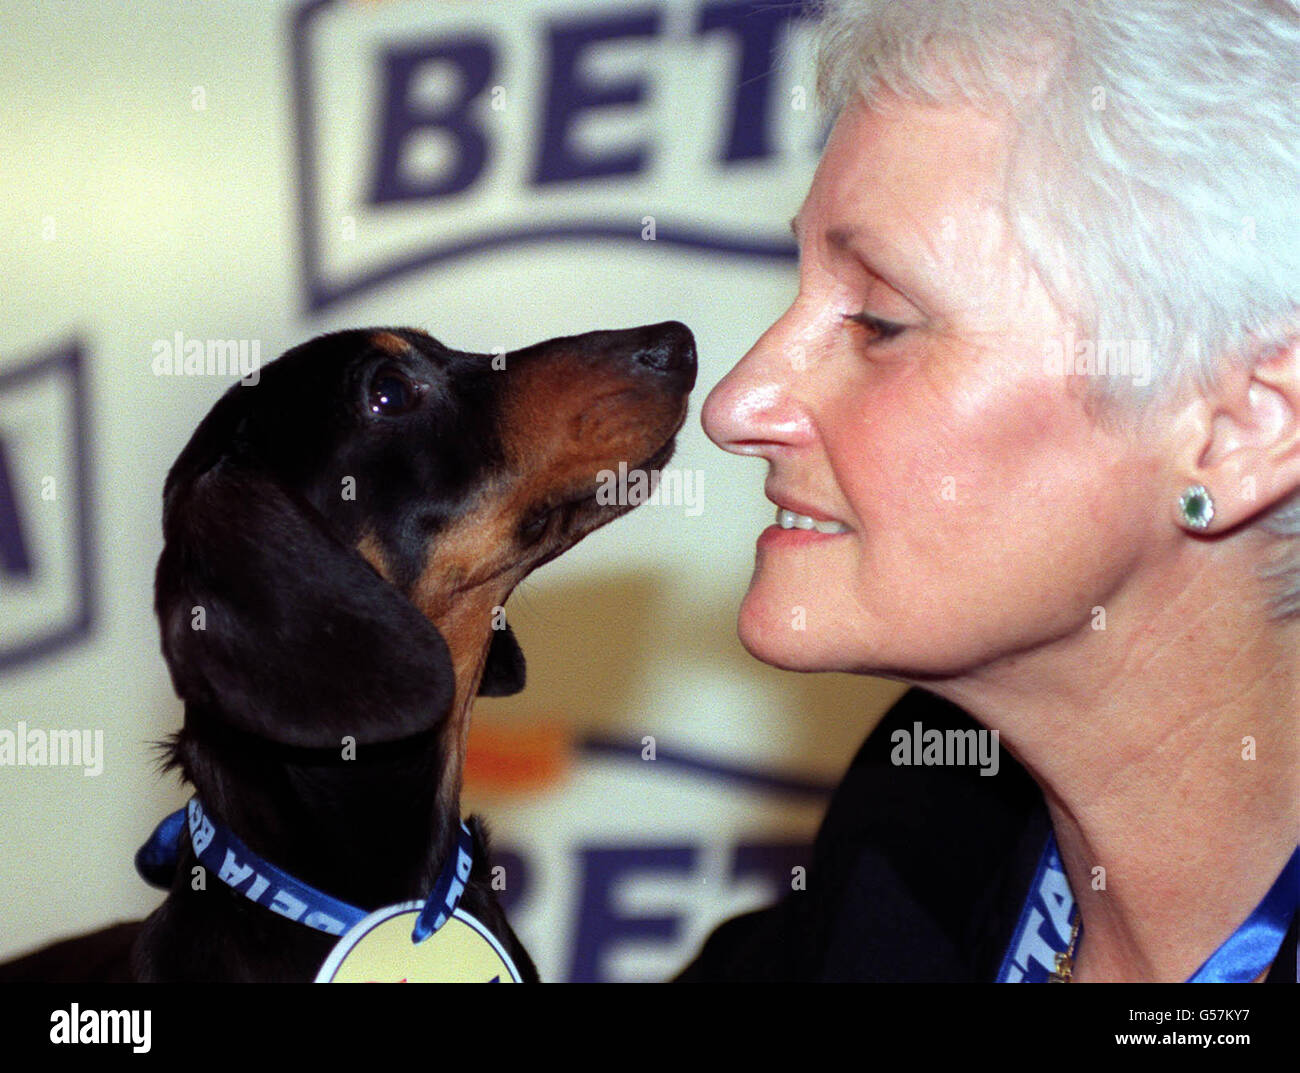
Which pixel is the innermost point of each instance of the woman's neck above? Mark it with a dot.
(1168, 753)
(1170, 853)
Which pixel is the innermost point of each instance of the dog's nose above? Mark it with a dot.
(664, 351)
(667, 348)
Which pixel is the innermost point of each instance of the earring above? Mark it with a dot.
(1197, 506)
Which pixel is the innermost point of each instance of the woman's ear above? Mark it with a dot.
(272, 623)
(503, 672)
(1246, 445)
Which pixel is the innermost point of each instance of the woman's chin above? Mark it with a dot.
(781, 640)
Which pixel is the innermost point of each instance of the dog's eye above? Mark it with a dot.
(535, 528)
(392, 393)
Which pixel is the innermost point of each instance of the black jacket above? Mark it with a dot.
(918, 874)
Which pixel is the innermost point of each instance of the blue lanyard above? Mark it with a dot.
(1046, 921)
(1048, 915)
(1253, 946)
(260, 881)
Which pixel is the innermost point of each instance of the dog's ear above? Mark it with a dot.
(273, 624)
(503, 672)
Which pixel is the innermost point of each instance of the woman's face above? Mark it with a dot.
(904, 395)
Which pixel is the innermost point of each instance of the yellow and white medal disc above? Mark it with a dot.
(378, 949)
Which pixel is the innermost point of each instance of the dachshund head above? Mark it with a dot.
(340, 537)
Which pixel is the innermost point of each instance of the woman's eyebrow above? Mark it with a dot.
(842, 238)
(869, 249)
(850, 240)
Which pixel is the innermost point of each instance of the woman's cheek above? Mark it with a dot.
(889, 454)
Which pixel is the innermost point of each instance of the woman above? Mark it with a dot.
(1032, 427)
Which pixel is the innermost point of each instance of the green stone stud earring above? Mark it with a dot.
(1197, 506)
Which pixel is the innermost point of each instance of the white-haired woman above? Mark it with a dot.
(1033, 427)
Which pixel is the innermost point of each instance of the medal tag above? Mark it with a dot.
(378, 949)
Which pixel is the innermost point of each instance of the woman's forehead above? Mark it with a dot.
(918, 190)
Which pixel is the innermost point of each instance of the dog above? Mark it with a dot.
(339, 544)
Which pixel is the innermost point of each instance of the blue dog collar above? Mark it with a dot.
(262, 882)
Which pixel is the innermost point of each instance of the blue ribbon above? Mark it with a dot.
(156, 860)
(445, 896)
(1045, 923)
(1030, 956)
(223, 854)
(1254, 945)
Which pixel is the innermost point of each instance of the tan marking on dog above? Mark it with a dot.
(373, 552)
(563, 420)
(581, 417)
(390, 343)
(471, 568)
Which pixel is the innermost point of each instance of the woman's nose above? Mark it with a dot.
(753, 409)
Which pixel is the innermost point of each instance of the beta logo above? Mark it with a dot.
(632, 907)
(47, 576)
(427, 133)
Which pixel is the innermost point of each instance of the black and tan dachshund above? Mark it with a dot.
(339, 541)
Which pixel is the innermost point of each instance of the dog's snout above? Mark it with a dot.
(666, 348)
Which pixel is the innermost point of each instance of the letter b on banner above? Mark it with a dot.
(406, 118)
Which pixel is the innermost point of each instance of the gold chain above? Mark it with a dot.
(1065, 962)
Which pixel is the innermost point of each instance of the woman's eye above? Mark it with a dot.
(391, 393)
(881, 330)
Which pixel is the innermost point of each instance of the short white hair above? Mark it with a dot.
(1155, 175)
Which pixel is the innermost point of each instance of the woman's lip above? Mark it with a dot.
(784, 503)
(775, 536)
